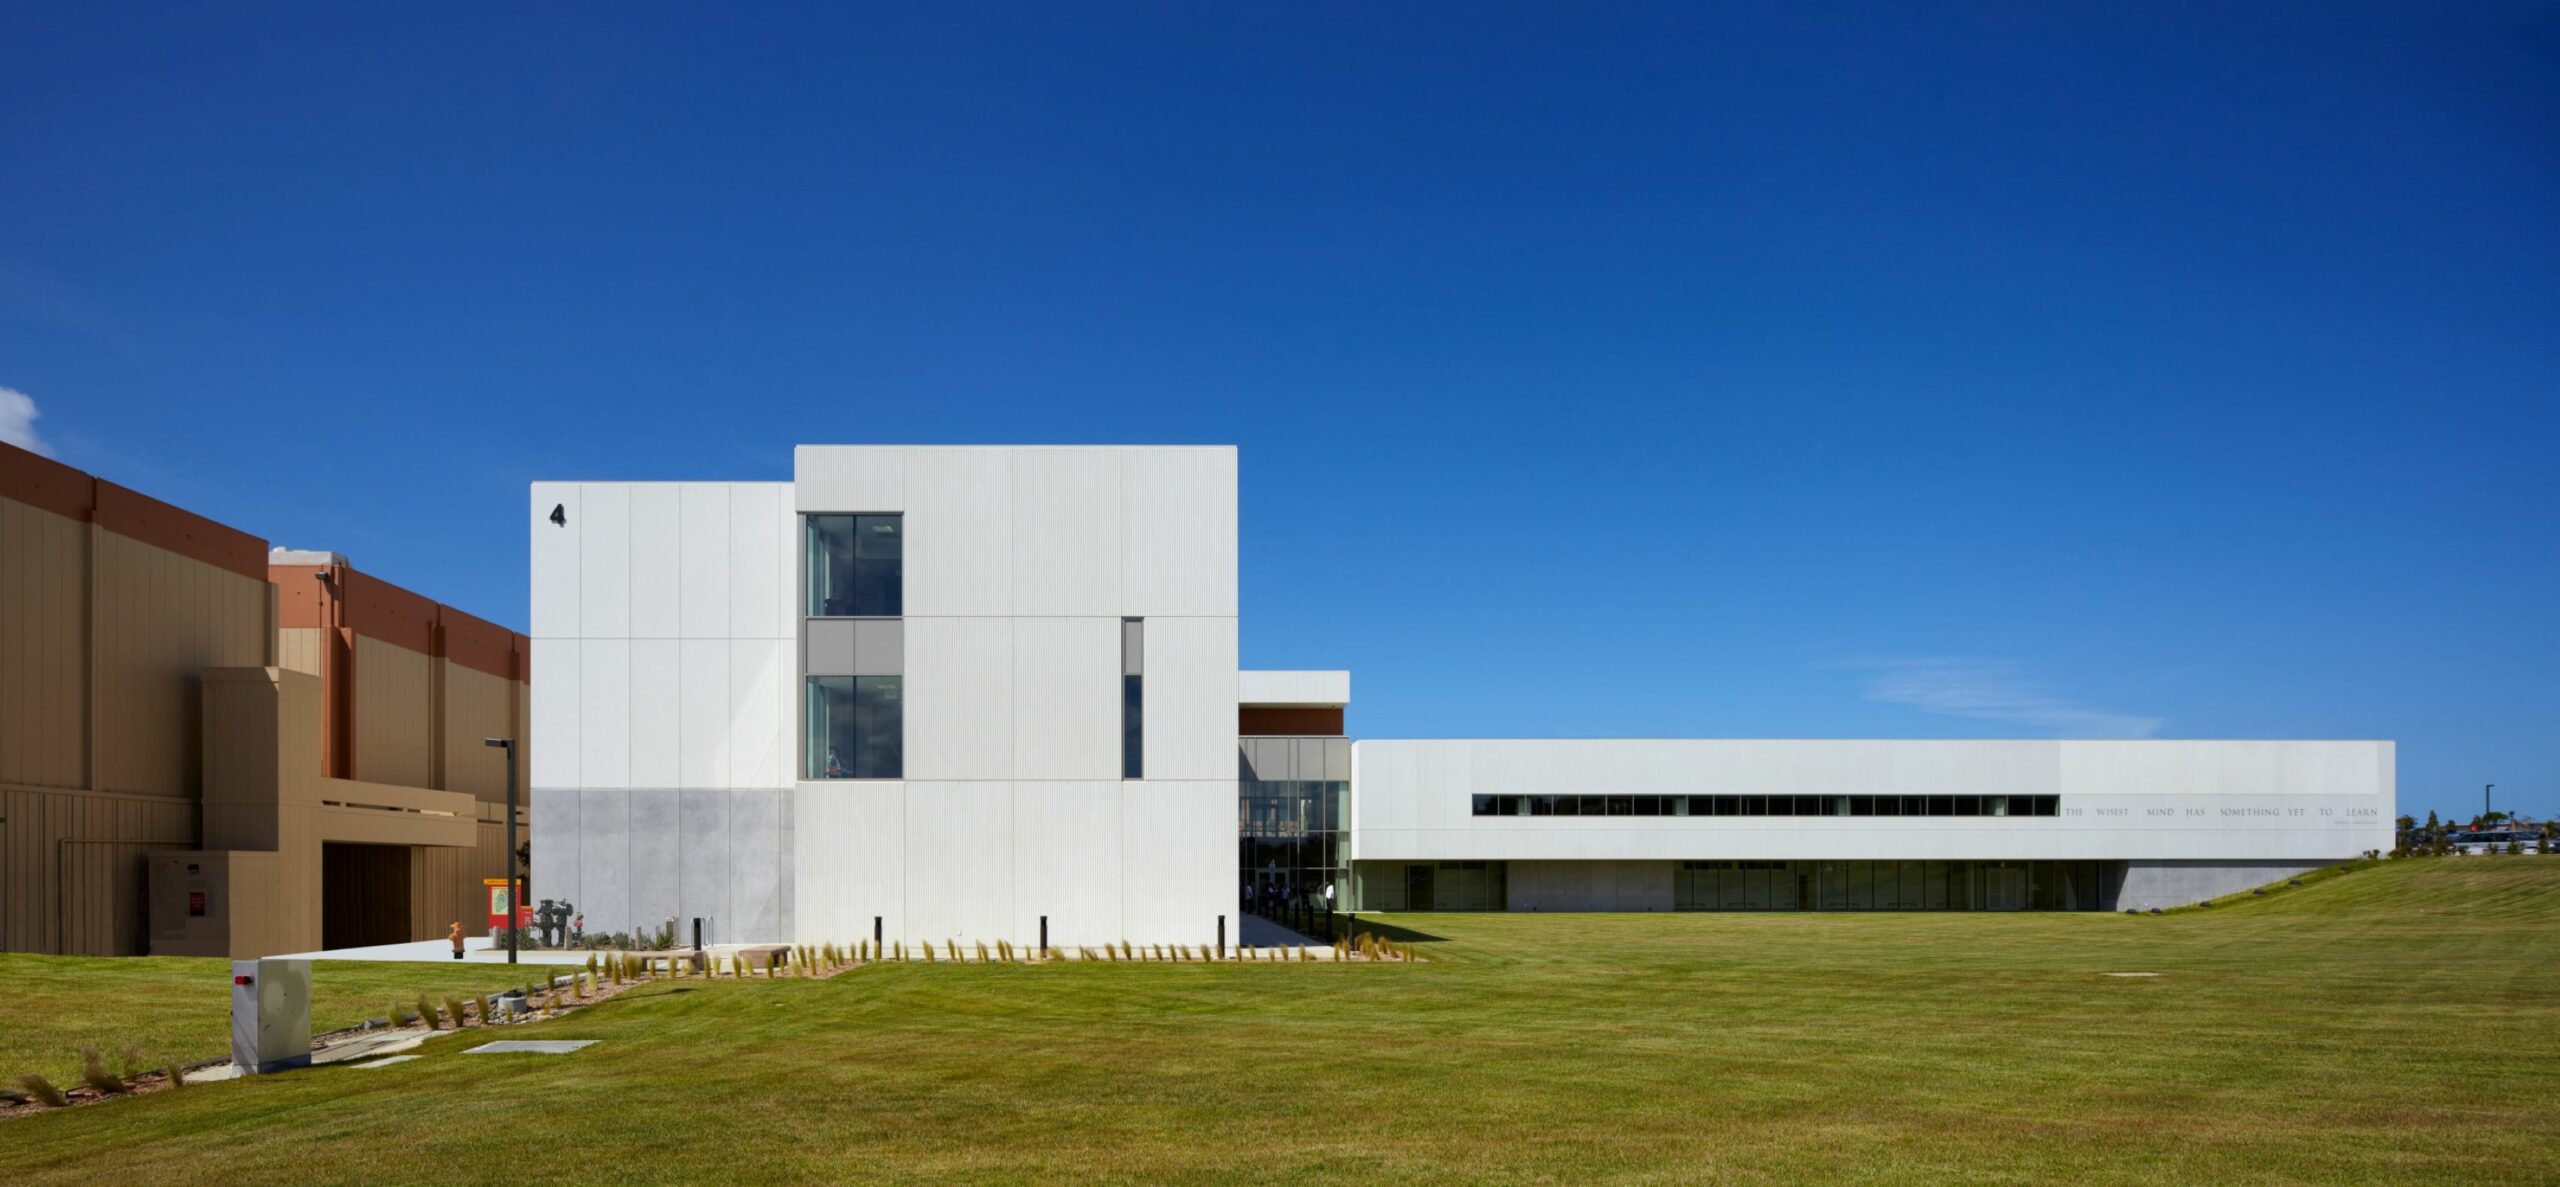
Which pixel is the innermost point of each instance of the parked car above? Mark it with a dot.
(2491, 841)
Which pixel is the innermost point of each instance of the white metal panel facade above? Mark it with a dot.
(1019, 565)
(604, 713)
(1066, 532)
(959, 698)
(604, 562)
(555, 559)
(851, 843)
(1178, 533)
(665, 668)
(1323, 689)
(852, 478)
(1191, 698)
(657, 729)
(1063, 832)
(959, 527)
(1413, 800)
(657, 564)
(1066, 711)
(703, 525)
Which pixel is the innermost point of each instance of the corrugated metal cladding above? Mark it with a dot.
(112, 605)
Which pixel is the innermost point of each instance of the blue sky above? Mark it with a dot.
(1792, 370)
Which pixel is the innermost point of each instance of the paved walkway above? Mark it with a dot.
(1254, 931)
(475, 950)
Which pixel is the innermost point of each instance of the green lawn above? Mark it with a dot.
(178, 1009)
(2395, 1024)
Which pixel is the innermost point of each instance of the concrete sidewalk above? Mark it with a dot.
(475, 950)
(1254, 931)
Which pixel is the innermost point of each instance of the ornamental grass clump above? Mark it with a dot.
(94, 1073)
(952, 947)
(43, 1091)
(177, 1074)
(453, 1006)
(982, 952)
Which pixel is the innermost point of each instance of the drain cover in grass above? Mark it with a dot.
(2133, 974)
(530, 1047)
(384, 1062)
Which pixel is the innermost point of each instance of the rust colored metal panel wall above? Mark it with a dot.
(395, 714)
(147, 520)
(44, 625)
(46, 484)
(1263, 722)
(481, 646)
(377, 609)
(391, 720)
(49, 485)
(302, 596)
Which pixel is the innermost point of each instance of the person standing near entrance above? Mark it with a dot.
(454, 934)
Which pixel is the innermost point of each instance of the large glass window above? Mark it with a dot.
(856, 728)
(855, 566)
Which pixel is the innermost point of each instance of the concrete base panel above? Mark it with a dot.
(2165, 884)
(633, 859)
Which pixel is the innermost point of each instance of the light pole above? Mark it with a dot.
(515, 881)
(2484, 803)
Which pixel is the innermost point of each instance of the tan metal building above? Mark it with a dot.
(209, 749)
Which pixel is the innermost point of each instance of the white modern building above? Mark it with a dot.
(969, 693)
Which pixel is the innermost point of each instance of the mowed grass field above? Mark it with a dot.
(2396, 1024)
(178, 1009)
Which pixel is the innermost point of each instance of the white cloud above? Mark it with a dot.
(1994, 690)
(18, 421)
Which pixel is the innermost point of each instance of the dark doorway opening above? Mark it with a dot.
(1418, 888)
(364, 895)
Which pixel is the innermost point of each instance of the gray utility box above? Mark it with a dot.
(270, 1015)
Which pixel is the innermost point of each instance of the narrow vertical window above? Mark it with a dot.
(1133, 714)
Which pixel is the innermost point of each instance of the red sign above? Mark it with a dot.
(195, 904)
